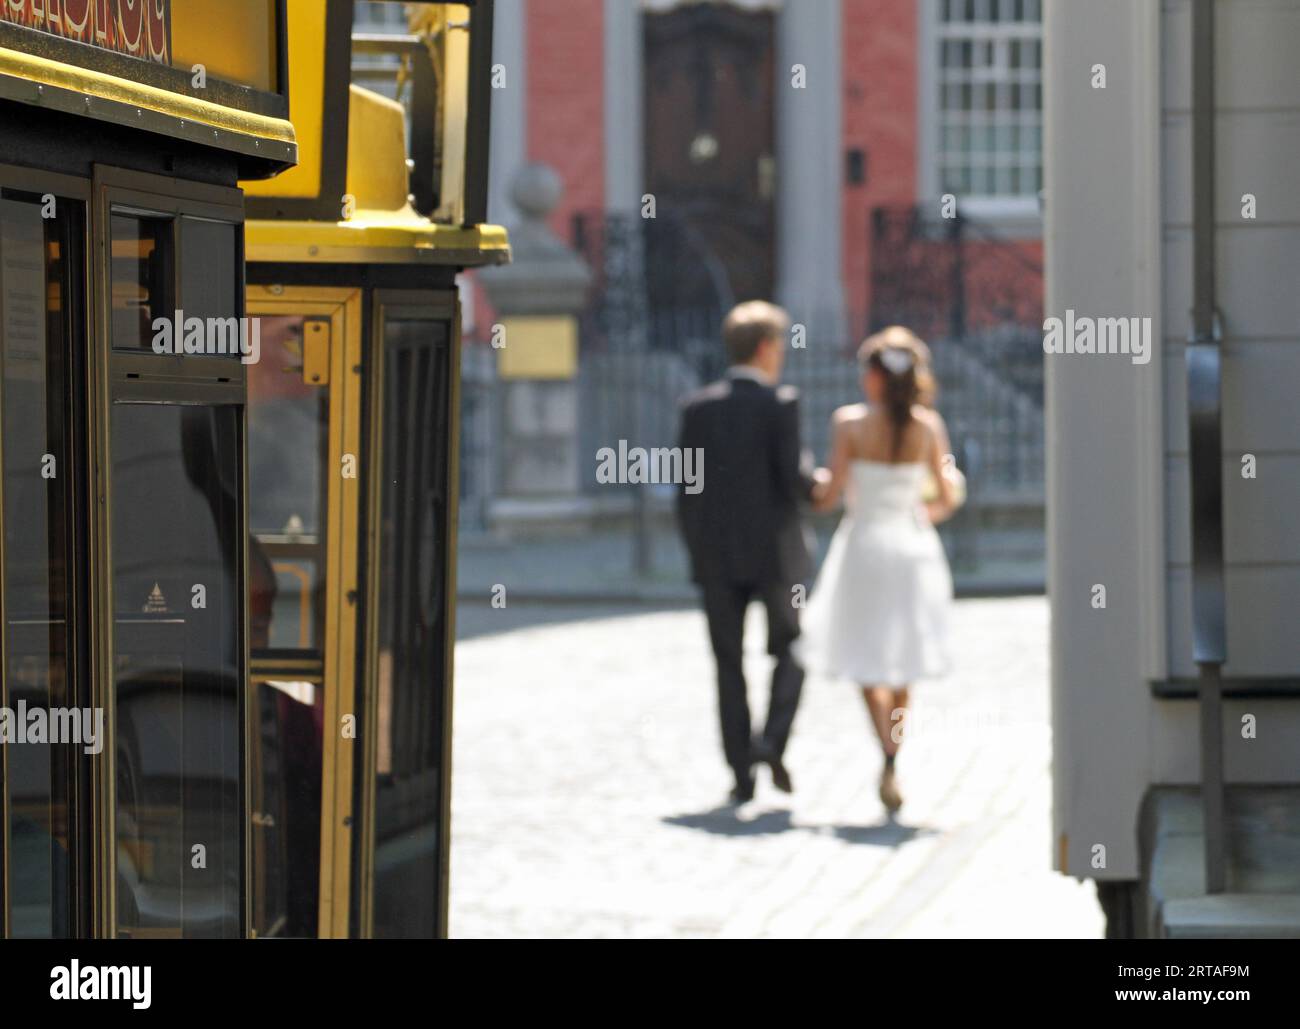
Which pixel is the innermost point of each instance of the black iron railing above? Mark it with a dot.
(650, 334)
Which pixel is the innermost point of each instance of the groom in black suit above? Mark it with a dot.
(743, 529)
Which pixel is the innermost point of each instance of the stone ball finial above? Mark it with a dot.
(536, 190)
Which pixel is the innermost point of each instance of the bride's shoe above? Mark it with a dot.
(889, 795)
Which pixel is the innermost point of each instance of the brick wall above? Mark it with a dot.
(880, 118)
(565, 106)
(566, 127)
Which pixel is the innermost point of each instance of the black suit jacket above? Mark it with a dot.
(744, 527)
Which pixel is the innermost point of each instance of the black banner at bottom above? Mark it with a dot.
(267, 978)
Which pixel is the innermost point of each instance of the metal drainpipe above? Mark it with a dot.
(1204, 411)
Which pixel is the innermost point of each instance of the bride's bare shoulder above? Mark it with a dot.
(849, 413)
(933, 423)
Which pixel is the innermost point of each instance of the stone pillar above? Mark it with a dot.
(624, 99)
(509, 107)
(809, 163)
(538, 298)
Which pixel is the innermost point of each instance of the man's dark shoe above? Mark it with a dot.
(763, 755)
(742, 792)
(780, 776)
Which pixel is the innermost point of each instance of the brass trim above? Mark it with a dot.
(343, 309)
(83, 91)
(365, 878)
(170, 77)
(350, 371)
(424, 256)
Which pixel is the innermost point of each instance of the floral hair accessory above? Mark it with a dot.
(896, 360)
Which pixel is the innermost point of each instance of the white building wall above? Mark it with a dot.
(1118, 243)
(1101, 237)
(1257, 149)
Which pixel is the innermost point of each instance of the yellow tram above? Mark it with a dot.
(227, 489)
(352, 259)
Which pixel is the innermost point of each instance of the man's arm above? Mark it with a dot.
(686, 436)
(791, 463)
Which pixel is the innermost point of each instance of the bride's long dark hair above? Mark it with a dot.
(903, 360)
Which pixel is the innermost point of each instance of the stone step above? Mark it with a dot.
(1263, 873)
(1233, 916)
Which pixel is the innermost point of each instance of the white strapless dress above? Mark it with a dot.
(878, 612)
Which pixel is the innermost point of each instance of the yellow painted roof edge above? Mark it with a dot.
(43, 71)
(382, 236)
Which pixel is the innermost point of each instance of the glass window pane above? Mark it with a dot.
(286, 770)
(34, 287)
(288, 447)
(210, 279)
(176, 567)
(412, 628)
(141, 274)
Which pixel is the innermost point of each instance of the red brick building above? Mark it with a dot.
(774, 129)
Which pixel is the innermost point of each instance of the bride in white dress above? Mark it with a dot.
(878, 612)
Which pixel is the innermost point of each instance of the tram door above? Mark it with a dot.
(411, 582)
(304, 445)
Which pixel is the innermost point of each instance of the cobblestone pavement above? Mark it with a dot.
(588, 781)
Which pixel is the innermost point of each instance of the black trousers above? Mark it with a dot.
(724, 606)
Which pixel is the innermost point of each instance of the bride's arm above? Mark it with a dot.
(833, 489)
(942, 508)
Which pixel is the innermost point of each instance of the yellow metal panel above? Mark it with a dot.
(233, 39)
(341, 626)
(376, 237)
(377, 176)
(539, 347)
(316, 357)
(306, 102)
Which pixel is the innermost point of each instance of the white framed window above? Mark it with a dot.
(981, 107)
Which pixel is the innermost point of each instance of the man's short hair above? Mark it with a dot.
(748, 324)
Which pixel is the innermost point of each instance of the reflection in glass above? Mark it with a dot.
(140, 272)
(176, 557)
(33, 284)
(412, 628)
(286, 807)
(210, 283)
(288, 449)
